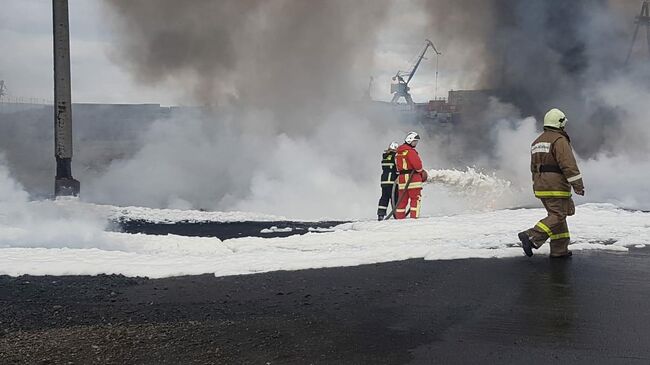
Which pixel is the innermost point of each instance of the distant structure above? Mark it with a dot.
(3, 89)
(366, 94)
(399, 87)
(64, 183)
(643, 19)
(457, 102)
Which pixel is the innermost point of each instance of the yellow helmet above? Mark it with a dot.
(555, 118)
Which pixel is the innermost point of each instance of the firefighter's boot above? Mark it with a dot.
(526, 243)
(559, 249)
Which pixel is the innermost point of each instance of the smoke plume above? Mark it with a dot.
(291, 57)
(287, 139)
(42, 224)
(543, 54)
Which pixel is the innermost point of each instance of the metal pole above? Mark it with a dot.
(64, 183)
(645, 15)
(435, 92)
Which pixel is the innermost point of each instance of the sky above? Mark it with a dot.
(26, 49)
(99, 76)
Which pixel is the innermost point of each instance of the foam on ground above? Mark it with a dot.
(476, 235)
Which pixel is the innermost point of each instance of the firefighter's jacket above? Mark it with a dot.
(408, 164)
(388, 170)
(554, 166)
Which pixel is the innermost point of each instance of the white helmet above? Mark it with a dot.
(555, 119)
(393, 146)
(411, 137)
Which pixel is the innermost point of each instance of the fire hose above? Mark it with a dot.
(399, 200)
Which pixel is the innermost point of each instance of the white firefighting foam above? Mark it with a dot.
(469, 181)
(475, 235)
(485, 190)
(67, 237)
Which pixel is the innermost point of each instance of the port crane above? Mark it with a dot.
(399, 86)
(643, 19)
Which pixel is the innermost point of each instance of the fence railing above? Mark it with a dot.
(10, 99)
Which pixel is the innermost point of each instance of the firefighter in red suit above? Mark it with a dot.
(409, 166)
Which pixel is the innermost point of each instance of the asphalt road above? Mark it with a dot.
(591, 309)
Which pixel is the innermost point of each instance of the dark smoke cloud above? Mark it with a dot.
(284, 55)
(541, 54)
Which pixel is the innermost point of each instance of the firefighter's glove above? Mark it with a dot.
(580, 192)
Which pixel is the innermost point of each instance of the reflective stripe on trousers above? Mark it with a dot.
(412, 184)
(550, 234)
(554, 225)
(408, 197)
(552, 194)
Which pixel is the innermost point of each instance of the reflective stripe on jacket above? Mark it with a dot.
(408, 159)
(388, 171)
(554, 166)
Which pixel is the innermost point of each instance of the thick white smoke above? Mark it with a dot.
(224, 162)
(42, 224)
(620, 172)
(11, 192)
(301, 152)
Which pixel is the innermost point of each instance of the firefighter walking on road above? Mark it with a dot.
(555, 172)
(411, 176)
(388, 176)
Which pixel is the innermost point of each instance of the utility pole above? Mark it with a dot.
(642, 19)
(64, 183)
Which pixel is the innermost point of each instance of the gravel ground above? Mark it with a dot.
(588, 309)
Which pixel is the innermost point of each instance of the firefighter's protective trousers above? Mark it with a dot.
(384, 200)
(554, 226)
(412, 196)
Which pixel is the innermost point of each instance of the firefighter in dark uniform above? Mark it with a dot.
(388, 176)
